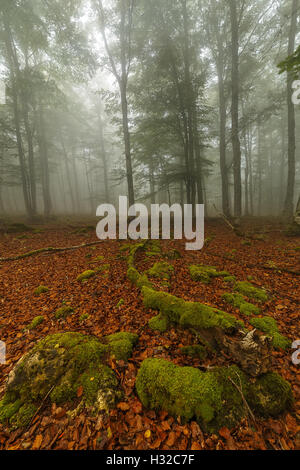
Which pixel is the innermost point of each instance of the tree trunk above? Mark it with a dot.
(235, 110)
(14, 69)
(43, 151)
(289, 200)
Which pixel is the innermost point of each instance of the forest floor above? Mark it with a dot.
(130, 426)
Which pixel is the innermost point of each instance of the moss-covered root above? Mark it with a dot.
(206, 273)
(250, 291)
(269, 326)
(161, 270)
(238, 301)
(61, 364)
(186, 314)
(195, 351)
(210, 397)
(139, 280)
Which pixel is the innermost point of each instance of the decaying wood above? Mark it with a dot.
(250, 350)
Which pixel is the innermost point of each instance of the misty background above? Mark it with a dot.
(177, 101)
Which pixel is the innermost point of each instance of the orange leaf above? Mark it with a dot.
(80, 391)
(123, 406)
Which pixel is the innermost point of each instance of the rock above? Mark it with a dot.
(57, 367)
(211, 397)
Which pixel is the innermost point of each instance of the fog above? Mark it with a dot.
(163, 101)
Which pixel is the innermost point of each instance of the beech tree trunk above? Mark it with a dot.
(289, 200)
(236, 147)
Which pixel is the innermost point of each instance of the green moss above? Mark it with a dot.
(271, 395)
(188, 314)
(23, 417)
(120, 303)
(62, 363)
(238, 301)
(247, 289)
(173, 254)
(35, 322)
(41, 290)
(84, 317)
(196, 350)
(209, 397)
(86, 275)
(64, 312)
(159, 323)
(161, 270)
(206, 273)
(140, 280)
(269, 326)
(230, 279)
(98, 258)
(121, 344)
(246, 243)
(7, 409)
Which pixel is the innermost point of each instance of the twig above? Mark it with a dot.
(48, 250)
(239, 389)
(40, 407)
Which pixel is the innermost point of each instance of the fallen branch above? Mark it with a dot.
(48, 250)
(264, 267)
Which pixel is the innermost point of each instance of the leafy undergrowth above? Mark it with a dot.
(107, 302)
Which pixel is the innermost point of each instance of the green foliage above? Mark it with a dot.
(83, 317)
(291, 64)
(269, 326)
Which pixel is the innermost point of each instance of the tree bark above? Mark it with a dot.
(235, 110)
(289, 200)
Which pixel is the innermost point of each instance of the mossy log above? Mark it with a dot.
(213, 397)
(218, 329)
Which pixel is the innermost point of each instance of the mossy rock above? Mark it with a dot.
(238, 301)
(209, 397)
(250, 291)
(64, 312)
(269, 326)
(195, 351)
(206, 273)
(41, 290)
(86, 275)
(35, 322)
(61, 364)
(187, 314)
(161, 270)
